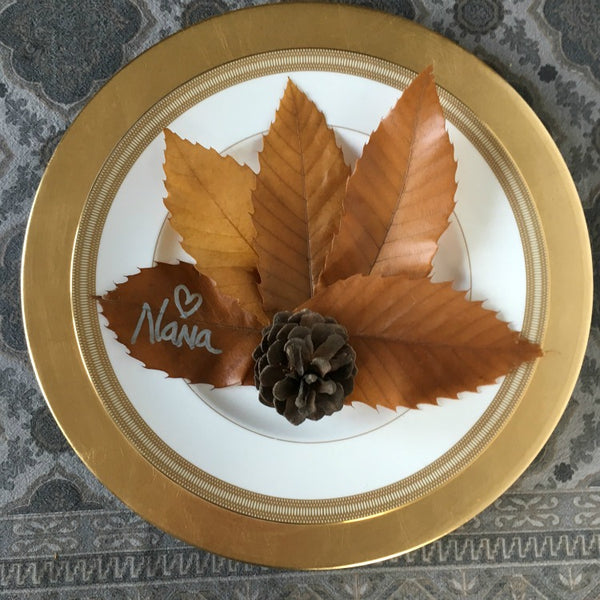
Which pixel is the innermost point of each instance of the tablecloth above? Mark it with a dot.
(63, 535)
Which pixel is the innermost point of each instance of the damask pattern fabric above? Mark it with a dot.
(63, 535)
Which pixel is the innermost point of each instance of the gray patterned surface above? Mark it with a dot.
(62, 535)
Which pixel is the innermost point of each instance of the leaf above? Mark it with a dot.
(174, 319)
(209, 198)
(401, 194)
(416, 340)
(297, 201)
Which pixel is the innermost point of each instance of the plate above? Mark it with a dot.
(494, 250)
(215, 467)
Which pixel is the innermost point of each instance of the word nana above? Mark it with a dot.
(174, 332)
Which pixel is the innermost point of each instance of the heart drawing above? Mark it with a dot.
(193, 300)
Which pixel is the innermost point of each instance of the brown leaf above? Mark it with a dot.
(174, 319)
(401, 193)
(209, 198)
(416, 340)
(297, 202)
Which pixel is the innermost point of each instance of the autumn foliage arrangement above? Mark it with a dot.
(312, 281)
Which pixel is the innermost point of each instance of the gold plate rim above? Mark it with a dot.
(49, 321)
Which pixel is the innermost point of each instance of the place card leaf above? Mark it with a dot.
(401, 193)
(416, 341)
(209, 197)
(297, 201)
(174, 319)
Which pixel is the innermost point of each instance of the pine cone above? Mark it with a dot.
(304, 366)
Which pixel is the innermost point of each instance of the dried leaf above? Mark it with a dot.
(209, 198)
(297, 201)
(401, 193)
(174, 319)
(416, 341)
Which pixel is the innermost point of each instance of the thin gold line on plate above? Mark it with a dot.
(225, 151)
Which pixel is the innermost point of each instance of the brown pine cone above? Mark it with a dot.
(304, 366)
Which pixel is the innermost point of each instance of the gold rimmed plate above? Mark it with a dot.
(215, 467)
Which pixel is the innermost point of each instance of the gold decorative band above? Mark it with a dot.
(153, 448)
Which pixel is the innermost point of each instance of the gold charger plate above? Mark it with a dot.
(51, 310)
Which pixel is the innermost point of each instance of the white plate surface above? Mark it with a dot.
(227, 432)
